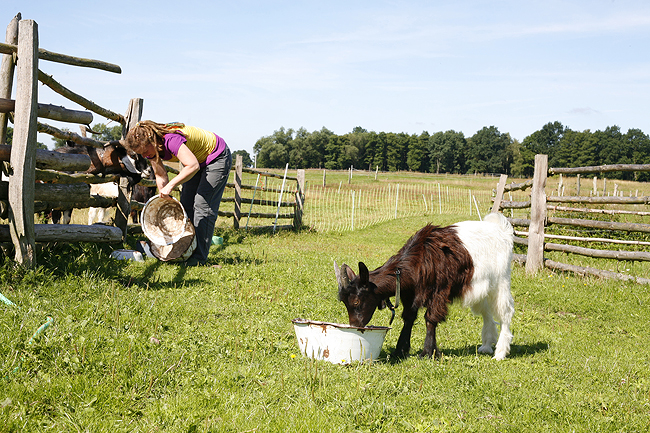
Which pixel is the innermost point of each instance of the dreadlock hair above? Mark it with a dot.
(148, 132)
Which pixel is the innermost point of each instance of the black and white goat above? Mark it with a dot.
(112, 159)
(469, 260)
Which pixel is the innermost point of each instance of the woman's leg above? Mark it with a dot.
(211, 182)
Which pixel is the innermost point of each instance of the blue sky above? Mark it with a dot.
(243, 69)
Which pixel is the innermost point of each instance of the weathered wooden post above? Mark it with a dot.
(123, 209)
(239, 166)
(300, 200)
(535, 256)
(7, 74)
(578, 185)
(23, 150)
(500, 188)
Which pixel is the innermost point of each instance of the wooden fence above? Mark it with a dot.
(28, 169)
(252, 195)
(27, 165)
(540, 203)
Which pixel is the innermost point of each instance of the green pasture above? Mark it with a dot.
(145, 347)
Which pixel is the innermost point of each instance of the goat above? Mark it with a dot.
(469, 260)
(112, 159)
(142, 194)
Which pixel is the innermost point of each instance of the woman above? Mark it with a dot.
(206, 163)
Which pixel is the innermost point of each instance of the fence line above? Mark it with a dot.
(345, 208)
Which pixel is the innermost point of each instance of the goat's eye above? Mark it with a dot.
(355, 302)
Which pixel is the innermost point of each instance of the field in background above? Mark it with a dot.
(337, 201)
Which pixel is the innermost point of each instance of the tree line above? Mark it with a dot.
(487, 151)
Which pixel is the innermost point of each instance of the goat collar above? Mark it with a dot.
(397, 296)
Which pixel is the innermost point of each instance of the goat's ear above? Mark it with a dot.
(364, 275)
(342, 275)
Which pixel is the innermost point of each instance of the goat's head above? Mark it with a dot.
(358, 294)
(116, 159)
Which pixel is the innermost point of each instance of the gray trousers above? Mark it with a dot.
(201, 197)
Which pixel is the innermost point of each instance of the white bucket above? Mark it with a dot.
(166, 225)
(338, 343)
(127, 255)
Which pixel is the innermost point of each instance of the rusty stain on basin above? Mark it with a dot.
(339, 343)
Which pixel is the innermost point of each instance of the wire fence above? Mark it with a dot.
(336, 209)
(341, 206)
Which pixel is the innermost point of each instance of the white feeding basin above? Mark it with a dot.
(338, 343)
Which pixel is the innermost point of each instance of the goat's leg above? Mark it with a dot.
(504, 309)
(404, 342)
(430, 344)
(489, 332)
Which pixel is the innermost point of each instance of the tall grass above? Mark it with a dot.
(156, 347)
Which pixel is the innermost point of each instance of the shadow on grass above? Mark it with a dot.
(516, 351)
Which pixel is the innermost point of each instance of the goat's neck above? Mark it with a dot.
(384, 278)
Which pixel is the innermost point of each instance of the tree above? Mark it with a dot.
(487, 151)
(517, 157)
(547, 141)
(417, 156)
(640, 143)
(245, 158)
(101, 132)
(273, 151)
(447, 152)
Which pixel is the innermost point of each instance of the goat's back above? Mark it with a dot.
(489, 242)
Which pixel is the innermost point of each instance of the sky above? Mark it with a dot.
(243, 69)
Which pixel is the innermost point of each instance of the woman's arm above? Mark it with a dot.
(190, 167)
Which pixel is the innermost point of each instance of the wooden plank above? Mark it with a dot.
(7, 74)
(600, 169)
(133, 115)
(123, 210)
(598, 200)
(599, 211)
(50, 56)
(267, 174)
(52, 112)
(74, 97)
(518, 186)
(595, 272)
(300, 199)
(259, 188)
(23, 150)
(258, 202)
(535, 255)
(70, 233)
(47, 159)
(499, 196)
(584, 239)
(607, 225)
(599, 254)
(67, 135)
(45, 191)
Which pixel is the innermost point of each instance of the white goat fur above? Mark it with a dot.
(99, 214)
(490, 246)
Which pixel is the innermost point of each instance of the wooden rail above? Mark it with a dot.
(539, 200)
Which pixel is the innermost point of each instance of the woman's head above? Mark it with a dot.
(146, 137)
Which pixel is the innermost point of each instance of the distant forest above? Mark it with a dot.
(487, 151)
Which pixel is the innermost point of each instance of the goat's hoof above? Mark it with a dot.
(486, 349)
(436, 354)
(402, 354)
(500, 355)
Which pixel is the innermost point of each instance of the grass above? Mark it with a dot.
(140, 347)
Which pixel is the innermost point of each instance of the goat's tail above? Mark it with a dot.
(500, 220)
